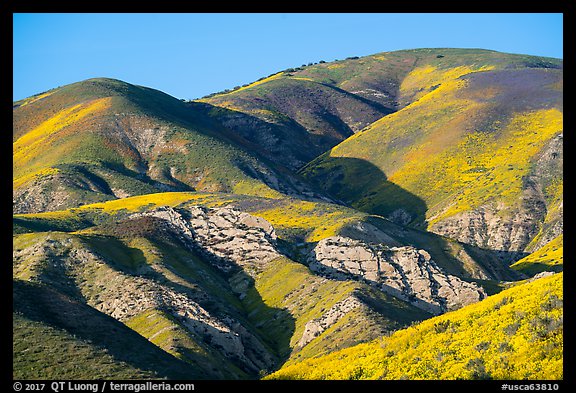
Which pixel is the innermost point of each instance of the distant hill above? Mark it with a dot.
(474, 154)
(299, 113)
(103, 139)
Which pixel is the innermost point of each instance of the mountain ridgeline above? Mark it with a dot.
(337, 216)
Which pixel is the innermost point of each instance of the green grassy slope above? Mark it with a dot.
(57, 337)
(275, 306)
(290, 286)
(43, 352)
(321, 104)
(517, 334)
(131, 264)
(481, 135)
(101, 139)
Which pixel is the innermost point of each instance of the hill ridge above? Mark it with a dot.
(269, 228)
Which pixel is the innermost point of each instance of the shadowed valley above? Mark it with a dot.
(393, 216)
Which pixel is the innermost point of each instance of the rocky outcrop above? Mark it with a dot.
(486, 227)
(68, 266)
(141, 135)
(547, 171)
(38, 196)
(510, 229)
(229, 238)
(404, 272)
(400, 216)
(367, 233)
(317, 326)
(541, 275)
(236, 243)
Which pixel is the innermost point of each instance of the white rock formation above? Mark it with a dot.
(404, 272)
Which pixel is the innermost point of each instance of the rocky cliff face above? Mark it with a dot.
(511, 230)
(486, 227)
(404, 272)
(229, 238)
(317, 326)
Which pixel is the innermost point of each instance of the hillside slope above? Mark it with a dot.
(103, 139)
(57, 337)
(549, 258)
(127, 259)
(206, 285)
(293, 119)
(265, 228)
(477, 156)
(297, 114)
(299, 226)
(517, 334)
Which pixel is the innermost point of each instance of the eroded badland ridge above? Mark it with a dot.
(282, 225)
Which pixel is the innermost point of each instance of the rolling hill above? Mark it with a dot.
(515, 335)
(230, 311)
(335, 220)
(103, 139)
(476, 156)
(318, 105)
(57, 337)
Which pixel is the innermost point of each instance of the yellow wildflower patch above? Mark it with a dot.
(318, 220)
(516, 334)
(549, 257)
(28, 145)
(28, 177)
(420, 80)
(492, 167)
(32, 99)
(137, 202)
(255, 188)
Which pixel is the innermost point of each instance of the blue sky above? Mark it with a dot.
(191, 55)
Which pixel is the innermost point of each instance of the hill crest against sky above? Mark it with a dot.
(179, 53)
(304, 213)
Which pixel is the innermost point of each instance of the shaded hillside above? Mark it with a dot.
(319, 105)
(103, 139)
(57, 337)
(206, 285)
(517, 334)
(294, 119)
(477, 157)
